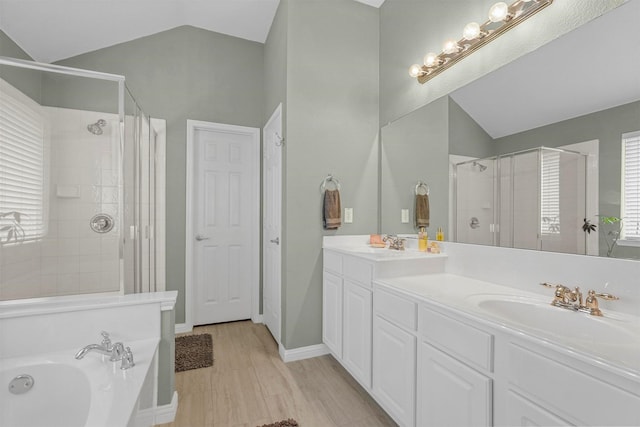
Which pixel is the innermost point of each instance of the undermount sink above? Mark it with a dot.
(572, 325)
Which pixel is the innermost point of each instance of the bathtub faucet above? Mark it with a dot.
(115, 351)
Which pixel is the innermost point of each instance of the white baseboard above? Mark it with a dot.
(258, 319)
(302, 352)
(167, 413)
(181, 328)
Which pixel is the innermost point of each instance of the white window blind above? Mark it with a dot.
(630, 203)
(550, 193)
(22, 164)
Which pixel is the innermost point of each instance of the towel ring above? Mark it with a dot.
(422, 186)
(329, 179)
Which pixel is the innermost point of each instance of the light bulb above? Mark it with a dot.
(415, 70)
(471, 31)
(431, 59)
(450, 46)
(498, 12)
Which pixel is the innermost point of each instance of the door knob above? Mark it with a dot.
(200, 237)
(276, 240)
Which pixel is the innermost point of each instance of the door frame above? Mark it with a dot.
(189, 283)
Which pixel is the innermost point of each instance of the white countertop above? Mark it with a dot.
(463, 295)
(36, 306)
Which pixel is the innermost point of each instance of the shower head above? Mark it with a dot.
(96, 128)
(480, 166)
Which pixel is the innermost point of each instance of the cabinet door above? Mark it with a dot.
(356, 343)
(394, 370)
(332, 313)
(449, 392)
(522, 412)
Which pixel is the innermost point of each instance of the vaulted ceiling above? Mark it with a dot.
(51, 30)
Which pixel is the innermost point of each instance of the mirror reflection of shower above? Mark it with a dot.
(96, 128)
(531, 199)
(479, 166)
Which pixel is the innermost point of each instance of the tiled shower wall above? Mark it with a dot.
(83, 181)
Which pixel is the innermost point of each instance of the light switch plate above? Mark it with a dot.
(405, 216)
(348, 215)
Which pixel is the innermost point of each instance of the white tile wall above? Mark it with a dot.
(72, 258)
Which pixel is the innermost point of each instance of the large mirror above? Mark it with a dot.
(480, 148)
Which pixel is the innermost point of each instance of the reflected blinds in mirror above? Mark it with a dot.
(22, 167)
(630, 204)
(550, 193)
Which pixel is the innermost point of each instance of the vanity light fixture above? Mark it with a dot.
(501, 18)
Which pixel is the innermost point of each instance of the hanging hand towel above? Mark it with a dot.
(422, 210)
(331, 218)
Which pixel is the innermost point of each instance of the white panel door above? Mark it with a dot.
(225, 199)
(449, 392)
(356, 344)
(271, 223)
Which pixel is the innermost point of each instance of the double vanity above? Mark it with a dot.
(436, 343)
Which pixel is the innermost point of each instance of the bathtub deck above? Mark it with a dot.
(249, 385)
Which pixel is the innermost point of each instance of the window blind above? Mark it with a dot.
(630, 203)
(550, 193)
(22, 187)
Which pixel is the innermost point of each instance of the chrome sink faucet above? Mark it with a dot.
(115, 351)
(395, 242)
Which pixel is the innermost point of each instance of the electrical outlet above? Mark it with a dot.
(348, 215)
(404, 213)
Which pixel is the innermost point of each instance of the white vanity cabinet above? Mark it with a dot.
(543, 386)
(394, 355)
(347, 311)
(455, 359)
(332, 313)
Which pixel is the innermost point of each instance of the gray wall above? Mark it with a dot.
(606, 126)
(332, 127)
(28, 82)
(416, 147)
(186, 73)
(466, 137)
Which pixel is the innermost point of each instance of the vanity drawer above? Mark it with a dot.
(358, 270)
(580, 397)
(332, 261)
(401, 311)
(459, 339)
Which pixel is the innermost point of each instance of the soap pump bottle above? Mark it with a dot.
(422, 240)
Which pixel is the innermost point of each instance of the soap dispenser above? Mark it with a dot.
(422, 240)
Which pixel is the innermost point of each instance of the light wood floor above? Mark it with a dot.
(249, 385)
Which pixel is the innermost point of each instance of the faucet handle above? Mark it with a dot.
(604, 296)
(127, 359)
(106, 340)
(591, 303)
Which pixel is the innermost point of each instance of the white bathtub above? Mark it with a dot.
(72, 393)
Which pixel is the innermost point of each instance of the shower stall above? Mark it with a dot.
(532, 199)
(81, 184)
